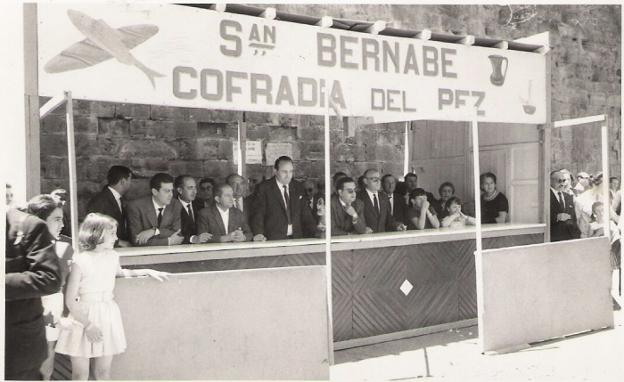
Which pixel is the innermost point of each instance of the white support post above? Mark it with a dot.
(377, 27)
(468, 40)
(477, 198)
(71, 156)
(328, 232)
(269, 13)
(579, 121)
(52, 105)
(406, 153)
(219, 7)
(605, 178)
(239, 154)
(504, 45)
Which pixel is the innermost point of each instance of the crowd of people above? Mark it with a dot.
(577, 209)
(182, 210)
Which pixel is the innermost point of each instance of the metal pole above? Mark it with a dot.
(605, 179)
(71, 156)
(406, 154)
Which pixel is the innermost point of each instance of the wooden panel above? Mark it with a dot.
(301, 259)
(378, 302)
(491, 134)
(342, 294)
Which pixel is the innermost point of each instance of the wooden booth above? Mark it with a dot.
(233, 57)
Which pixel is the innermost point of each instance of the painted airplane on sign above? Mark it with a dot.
(101, 44)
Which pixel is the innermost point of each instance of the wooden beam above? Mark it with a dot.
(377, 27)
(424, 34)
(219, 7)
(504, 45)
(51, 105)
(468, 40)
(325, 22)
(71, 156)
(269, 13)
(580, 121)
(31, 88)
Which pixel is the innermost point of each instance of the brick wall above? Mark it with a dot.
(585, 80)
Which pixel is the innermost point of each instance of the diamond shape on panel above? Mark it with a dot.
(406, 287)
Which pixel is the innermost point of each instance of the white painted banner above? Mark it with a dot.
(182, 56)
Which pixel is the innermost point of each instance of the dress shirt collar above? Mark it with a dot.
(157, 206)
(116, 194)
(281, 186)
(185, 204)
(371, 194)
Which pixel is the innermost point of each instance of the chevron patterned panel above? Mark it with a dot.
(378, 305)
(342, 294)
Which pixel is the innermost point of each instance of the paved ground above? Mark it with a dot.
(454, 356)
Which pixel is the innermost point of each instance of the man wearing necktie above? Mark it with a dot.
(154, 219)
(309, 213)
(376, 205)
(278, 205)
(186, 187)
(240, 189)
(110, 201)
(563, 224)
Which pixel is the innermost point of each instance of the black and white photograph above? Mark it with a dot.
(339, 191)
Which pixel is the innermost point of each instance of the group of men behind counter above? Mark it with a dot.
(178, 212)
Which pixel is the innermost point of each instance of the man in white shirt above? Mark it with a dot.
(223, 221)
(186, 188)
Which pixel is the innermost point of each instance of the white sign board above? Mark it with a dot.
(253, 152)
(182, 56)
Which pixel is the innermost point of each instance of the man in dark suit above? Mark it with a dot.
(205, 193)
(347, 211)
(186, 188)
(110, 200)
(242, 201)
(154, 220)
(309, 209)
(222, 220)
(398, 208)
(277, 210)
(563, 225)
(376, 205)
(32, 270)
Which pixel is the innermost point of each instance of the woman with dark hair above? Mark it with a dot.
(50, 209)
(446, 191)
(455, 218)
(421, 214)
(494, 204)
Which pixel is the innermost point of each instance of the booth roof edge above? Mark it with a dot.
(362, 27)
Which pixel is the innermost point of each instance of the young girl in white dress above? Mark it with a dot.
(96, 329)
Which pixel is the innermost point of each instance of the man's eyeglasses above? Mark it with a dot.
(375, 179)
(561, 180)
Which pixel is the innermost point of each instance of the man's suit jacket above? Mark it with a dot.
(187, 224)
(269, 213)
(399, 210)
(32, 270)
(342, 223)
(210, 220)
(378, 221)
(309, 216)
(248, 205)
(142, 216)
(104, 203)
(568, 229)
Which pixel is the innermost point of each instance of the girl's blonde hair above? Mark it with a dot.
(92, 230)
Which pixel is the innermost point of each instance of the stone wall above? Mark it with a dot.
(586, 77)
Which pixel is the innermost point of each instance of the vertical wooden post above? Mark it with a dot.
(479, 245)
(546, 165)
(406, 151)
(605, 176)
(31, 99)
(328, 233)
(71, 156)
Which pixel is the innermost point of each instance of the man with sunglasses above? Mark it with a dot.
(563, 224)
(376, 205)
(347, 211)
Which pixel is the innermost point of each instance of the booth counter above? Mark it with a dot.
(385, 286)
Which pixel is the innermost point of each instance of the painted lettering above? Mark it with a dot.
(326, 46)
(229, 50)
(178, 71)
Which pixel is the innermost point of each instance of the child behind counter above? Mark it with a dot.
(456, 218)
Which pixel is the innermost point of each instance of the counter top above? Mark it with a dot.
(216, 251)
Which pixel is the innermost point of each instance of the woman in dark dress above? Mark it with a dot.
(494, 204)
(446, 191)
